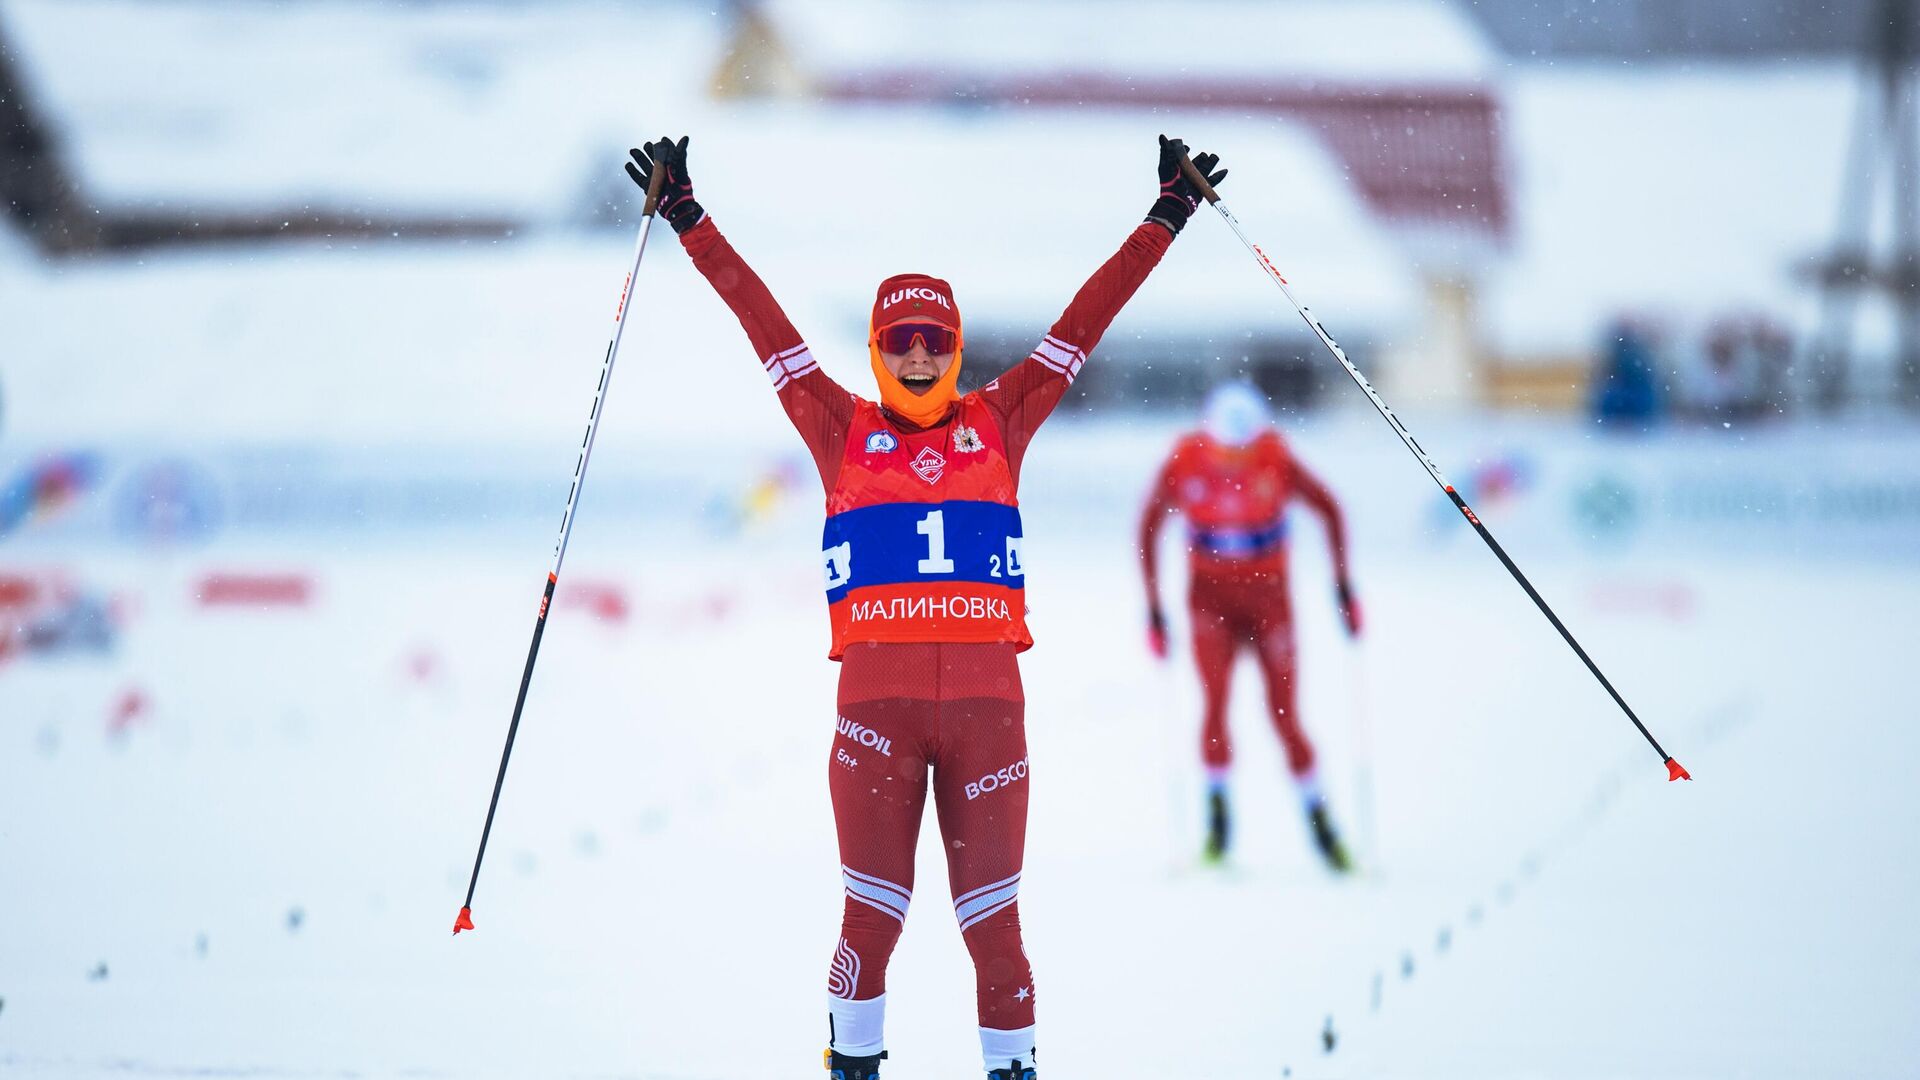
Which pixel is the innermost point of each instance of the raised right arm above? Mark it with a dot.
(819, 408)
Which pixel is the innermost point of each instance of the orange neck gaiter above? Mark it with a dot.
(920, 410)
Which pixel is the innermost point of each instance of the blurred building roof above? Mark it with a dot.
(1668, 192)
(1398, 90)
(1377, 42)
(388, 108)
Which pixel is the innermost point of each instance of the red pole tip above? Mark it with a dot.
(1675, 771)
(465, 921)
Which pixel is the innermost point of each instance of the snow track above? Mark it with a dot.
(266, 861)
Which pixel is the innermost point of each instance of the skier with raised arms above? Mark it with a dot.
(1233, 480)
(924, 586)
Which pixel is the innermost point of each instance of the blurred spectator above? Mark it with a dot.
(1625, 390)
(1720, 381)
(1739, 372)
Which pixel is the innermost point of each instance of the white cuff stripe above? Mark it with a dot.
(1063, 347)
(872, 903)
(1059, 356)
(876, 892)
(970, 894)
(848, 871)
(994, 910)
(784, 367)
(791, 359)
(1067, 372)
(971, 911)
(1062, 353)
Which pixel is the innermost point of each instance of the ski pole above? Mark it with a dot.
(464, 921)
(1362, 729)
(1674, 769)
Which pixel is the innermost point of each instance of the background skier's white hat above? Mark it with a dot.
(1235, 413)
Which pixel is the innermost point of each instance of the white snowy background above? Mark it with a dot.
(233, 843)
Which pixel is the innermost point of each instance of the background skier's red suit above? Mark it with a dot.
(1234, 500)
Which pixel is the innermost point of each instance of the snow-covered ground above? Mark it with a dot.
(255, 876)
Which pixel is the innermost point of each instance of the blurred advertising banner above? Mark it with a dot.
(1547, 491)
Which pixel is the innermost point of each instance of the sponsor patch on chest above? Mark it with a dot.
(929, 464)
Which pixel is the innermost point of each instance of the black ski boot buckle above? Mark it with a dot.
(844, 1067)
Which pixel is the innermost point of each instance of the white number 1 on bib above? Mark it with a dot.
(934, 528)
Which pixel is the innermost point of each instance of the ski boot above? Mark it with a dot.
(1328, 841)
(1016, 1072)
(842, 1067)
(1218, 832)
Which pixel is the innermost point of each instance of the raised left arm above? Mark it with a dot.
(1025, 396)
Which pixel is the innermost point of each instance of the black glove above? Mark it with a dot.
(1349, 606)
(1157, 633)
(676, 191)
(1179, 198)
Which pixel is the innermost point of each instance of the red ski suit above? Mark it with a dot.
(944, 697)
(1235, 501)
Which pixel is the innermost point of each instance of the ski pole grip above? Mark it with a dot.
(654, 184)
(1199, 179)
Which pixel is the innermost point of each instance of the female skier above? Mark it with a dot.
(1233, 480)
(924, 589)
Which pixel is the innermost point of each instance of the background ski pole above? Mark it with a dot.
(464, 921)
(1362, 731)
(1674, 769)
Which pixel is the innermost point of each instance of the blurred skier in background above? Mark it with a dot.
(925, 590)
(1233, 480)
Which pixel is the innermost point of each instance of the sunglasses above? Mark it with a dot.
(898, 339)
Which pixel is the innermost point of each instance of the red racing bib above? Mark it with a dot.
(922, 539)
